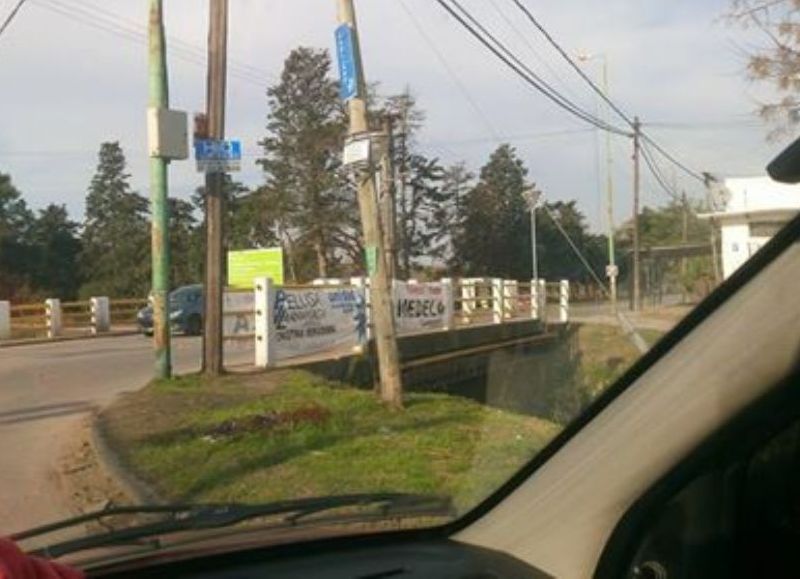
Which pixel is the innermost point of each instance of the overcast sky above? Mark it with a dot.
(74, 74)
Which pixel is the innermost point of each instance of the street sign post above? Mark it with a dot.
(348, 72)
(215, 156)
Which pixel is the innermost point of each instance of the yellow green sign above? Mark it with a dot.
(246, 265)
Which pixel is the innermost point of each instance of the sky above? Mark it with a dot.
(74, 74)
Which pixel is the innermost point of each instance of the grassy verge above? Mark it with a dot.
(606, 353)
(289, 435)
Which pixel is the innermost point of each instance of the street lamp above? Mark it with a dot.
(611, 270)
(532, 197)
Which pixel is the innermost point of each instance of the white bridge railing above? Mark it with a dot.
(333, 315)
(53, 318)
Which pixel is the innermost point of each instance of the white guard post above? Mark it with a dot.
(563, 309)
(535, 300)
(497, 301)
(53, 314)
(5, 320)
(101, 315)
(510, 299)
(468, 295)
(264, 306)
(542, 291)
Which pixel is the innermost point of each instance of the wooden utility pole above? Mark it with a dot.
(215, 189)
(387, 197)
(159, 99)
(637, 295)
(391, 386)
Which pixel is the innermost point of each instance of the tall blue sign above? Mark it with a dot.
(346, 53)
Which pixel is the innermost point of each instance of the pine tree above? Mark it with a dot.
(57, 249)
(307, 200)
(496, 235)
(15, 249)
(116, 234)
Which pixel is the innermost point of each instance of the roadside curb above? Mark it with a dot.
(40, 341)
(131, 485)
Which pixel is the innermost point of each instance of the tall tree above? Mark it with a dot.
(57, 248)
(422, 201)
(309, 200)
(557, 258)
(15, 250)
(448, 217)
(116, 234)
(186, 246)
(776, 60)
(496, 228)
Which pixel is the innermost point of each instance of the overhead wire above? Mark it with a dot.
(571, 62)
(527, 42)
(657, 175)
(529, 15)
(523, 71)
(543, 85)
(672, 159)
(128, 30)
(11, 15)
(450, 72)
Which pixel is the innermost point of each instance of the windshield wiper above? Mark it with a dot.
(197, 517)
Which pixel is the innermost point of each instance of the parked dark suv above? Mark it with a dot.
(185, 311)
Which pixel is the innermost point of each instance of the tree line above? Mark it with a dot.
(449, 220)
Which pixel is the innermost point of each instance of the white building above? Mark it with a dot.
(753, 209)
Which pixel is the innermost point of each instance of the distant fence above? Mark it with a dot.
(285, 322)
(54, 318)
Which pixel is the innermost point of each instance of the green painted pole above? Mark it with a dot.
(159, 99)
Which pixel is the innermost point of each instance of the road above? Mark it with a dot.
(45, 390)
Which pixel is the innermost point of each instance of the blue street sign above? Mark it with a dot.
(345, 51)
(215, 156)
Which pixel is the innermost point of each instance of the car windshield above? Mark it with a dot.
(411, 242)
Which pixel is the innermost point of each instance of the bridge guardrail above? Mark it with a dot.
(53, 318)
(293, 320)
(251, 316)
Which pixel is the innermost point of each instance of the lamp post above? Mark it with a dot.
(532, 197)
(611, 269)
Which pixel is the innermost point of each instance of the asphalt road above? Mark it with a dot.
(45, 390)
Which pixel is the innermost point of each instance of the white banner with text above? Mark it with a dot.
(421, 306)
(309, 321)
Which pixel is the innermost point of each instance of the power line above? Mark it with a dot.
(571, 62)
(443, 61)
(118, 26)
(532, 48)
(651, 165)
(574, 247)
(598, 90)
(544, 87)
(684, 168)
(512, 62)
(512, 138)
(173, 41)
(11, 15)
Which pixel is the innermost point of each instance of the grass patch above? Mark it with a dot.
(606, 352)
(290, 434)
